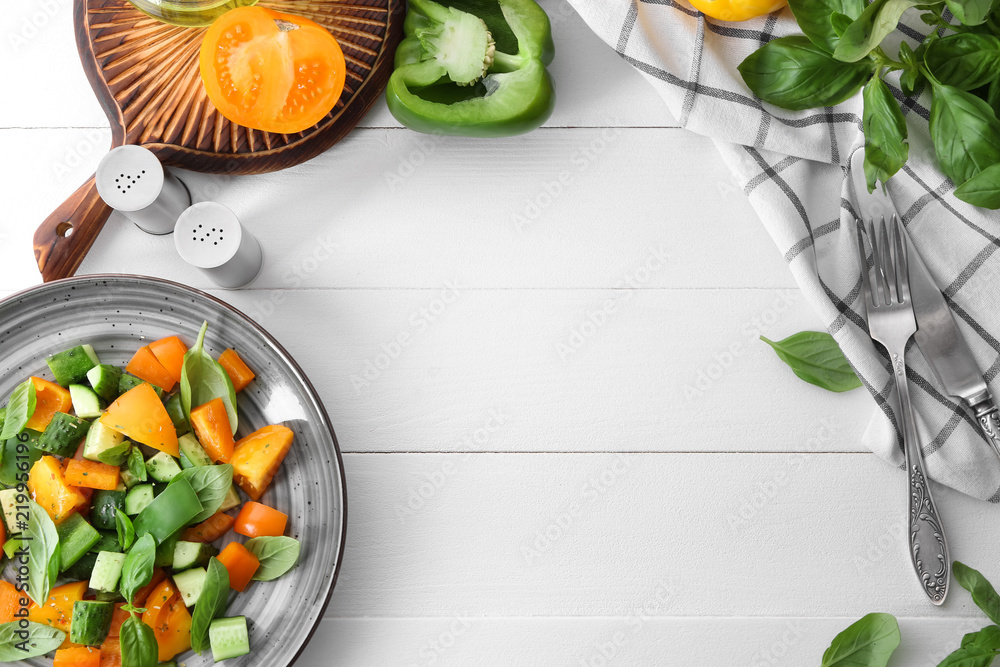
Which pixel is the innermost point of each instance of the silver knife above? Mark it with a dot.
(938, 336)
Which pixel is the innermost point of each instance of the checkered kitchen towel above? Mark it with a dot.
(794, 168)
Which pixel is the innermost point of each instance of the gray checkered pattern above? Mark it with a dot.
(793, 166)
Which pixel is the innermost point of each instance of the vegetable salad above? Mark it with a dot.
(116, 483)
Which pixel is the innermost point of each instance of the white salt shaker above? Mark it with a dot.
(131, 179)
(210, 237)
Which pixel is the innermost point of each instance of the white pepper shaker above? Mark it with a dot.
(209, 236)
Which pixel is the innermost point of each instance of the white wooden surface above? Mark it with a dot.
(584, 457)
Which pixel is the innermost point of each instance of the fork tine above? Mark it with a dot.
(878, 285)
(902, 261)
(866, 286)
(885, 259)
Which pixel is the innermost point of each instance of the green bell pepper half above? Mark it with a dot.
(475, 68)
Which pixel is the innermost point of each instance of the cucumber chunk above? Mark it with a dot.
(19, 454)
(63, 434)
(162, 467)
(127, 382)
(191, 554)
(193, 455)
(86, 403)
(71, 366)
(8, 501)
(91, 622)
(81, 569)
(128, 479)
(107, 571)
(104, 379)
(229, 638)
(176, 412)
(190, 584)
(139, 497)
(165, 551)
(76, 537)
(108, 542)
(231, 500)
(100, 438)
(104, 505)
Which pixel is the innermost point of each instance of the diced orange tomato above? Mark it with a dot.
(50, 490)
(210, 422)
(117, 619)
(236, 369)
(140, 415)
(145, 366)
(170, 620)
(92, 474)
(240, 563)
(170, 353)
(58, 609)
(111, 652)
(11, 601)
(78, 656)
(210, 529)
(50, 398)
(256, 520)
(258, 456)
(143, 593)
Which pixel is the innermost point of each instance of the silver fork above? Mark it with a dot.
(891, 323)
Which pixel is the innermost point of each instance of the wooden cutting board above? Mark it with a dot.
(145, 75)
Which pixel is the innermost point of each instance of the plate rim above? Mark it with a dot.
(288, 358)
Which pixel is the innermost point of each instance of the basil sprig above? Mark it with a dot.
(277, 555)
(843, 50)
(137, 464)
(20, 407)
(137, 570)
(203, 379)
(815, 357)
(211, 483)
(138, 643)
(43, 554)
(211, 604)
(41, 639)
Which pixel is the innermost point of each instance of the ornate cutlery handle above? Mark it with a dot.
(928, 546)
(989, 421)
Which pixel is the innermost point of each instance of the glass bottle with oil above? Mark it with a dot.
(188, 13)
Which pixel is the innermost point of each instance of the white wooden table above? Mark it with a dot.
(581, 455)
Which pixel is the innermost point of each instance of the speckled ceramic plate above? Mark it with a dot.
(119, 313)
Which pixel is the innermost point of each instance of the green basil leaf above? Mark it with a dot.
(912, 82)
(125, 529)
(211, 483)
(840, 23)
(138, 644)
(983, 593)
(793, 73)
(987, 638)
(993, 97)
(983, 189)
(869, 641)
(137, 464)
(20, 407)
(17, 644)
(884, 127)
(43, 554)
(277, 555)
(873, 25)
(965, 61)
(211, 604)
(3, 417)
(970, 656)
(815, 19)
(137, 570)
(203, 379)
(965, 132)
(816, 358)
(115, 456)
(970, 12)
